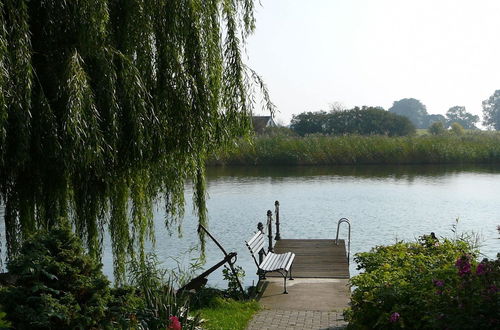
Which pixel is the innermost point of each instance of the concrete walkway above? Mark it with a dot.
(312, 303)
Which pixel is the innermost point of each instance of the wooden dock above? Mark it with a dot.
(315, 258)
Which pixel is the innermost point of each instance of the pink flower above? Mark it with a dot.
(394, 317)
(481, 269)
(492, 289)
(463, 265)
(174, 323)
(438, 283)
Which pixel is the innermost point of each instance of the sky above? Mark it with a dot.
(373, 52)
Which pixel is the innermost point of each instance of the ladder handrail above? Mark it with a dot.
(344, 220)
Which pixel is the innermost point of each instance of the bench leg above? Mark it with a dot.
(291, 278)
(284, 277)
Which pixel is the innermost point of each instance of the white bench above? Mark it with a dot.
(272, 262)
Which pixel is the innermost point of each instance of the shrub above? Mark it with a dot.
(457, 129)
(58, 285)
(437, 128)
(425, 284)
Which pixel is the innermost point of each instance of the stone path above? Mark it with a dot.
(311, 304)
(296, 320)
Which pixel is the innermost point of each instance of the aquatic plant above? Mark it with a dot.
(473, 147)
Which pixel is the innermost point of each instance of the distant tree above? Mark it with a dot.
(491, 111)
(368, 121)
(308, 122)
(437, 128)
(458, 114)
(457, 129)
(413, 109)
(362, 121)
(434, 118)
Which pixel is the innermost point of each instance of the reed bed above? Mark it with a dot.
(470, 148)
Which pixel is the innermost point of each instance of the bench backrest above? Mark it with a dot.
(255, 245)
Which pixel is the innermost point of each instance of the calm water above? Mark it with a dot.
(384, 204)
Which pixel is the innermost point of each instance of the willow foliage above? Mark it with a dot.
(107, 104)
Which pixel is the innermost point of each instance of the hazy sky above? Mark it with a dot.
(374, 52)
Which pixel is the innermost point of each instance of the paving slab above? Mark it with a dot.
(314, 294)
(311, 304)
(296, 320)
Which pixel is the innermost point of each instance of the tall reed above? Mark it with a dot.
(476, 147)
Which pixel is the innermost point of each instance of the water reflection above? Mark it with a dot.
(399, 172)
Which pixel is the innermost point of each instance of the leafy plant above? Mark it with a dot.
(424, 284)
(161, 307)
(58, 285)
(233, 280)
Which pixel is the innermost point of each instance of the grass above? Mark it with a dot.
(228, 314)
(470, 148)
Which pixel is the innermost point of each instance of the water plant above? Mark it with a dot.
(468, 148)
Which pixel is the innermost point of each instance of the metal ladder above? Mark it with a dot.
(345, 220)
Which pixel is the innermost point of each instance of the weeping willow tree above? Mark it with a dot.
(107, 104)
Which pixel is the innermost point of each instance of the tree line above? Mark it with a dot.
(361, 121)
(402, 118)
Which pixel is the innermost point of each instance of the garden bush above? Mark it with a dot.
(425, 284)
(58, 285)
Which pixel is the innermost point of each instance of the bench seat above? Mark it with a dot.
(272, 262)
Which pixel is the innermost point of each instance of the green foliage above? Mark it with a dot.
(309, 122)
(105, 104)
(361, 121)
(58, 285)
(223, 313)
(412, 109)
(491, 111)
(278, 131)
(437, 128)
(474, 147)
(433, 118)
(159, 301)
(233, 281)
(457, 129)
(4, 324)
(426, 284)
(459, 115)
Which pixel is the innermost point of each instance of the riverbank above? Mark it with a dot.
(469, 148)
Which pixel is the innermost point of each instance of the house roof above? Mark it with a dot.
(261, 122)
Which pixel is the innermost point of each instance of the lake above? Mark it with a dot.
(384, 204)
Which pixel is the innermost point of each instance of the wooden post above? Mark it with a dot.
(260, 227)
(270, 230)
(277, 213)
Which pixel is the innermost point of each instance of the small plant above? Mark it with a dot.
(233, 281)
(162, 308)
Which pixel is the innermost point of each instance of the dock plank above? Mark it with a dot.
(315, 258)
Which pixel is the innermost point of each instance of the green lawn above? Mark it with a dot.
(228, 314)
